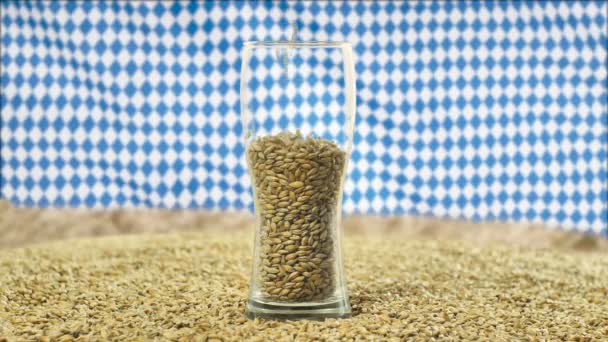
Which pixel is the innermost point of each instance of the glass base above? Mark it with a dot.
(292, 311)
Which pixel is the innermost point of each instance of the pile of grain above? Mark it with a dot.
(297, 186)
(193, 286)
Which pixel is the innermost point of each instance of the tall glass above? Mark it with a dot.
(298, 112)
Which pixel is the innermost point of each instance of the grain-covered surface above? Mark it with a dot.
(194, 286)
(166, 275)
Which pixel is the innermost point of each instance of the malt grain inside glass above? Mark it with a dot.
(297, 107)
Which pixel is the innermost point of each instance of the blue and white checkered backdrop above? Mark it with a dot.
(477, 110)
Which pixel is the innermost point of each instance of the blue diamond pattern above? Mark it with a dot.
(483, 110)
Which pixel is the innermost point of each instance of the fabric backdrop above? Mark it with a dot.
(478, 110)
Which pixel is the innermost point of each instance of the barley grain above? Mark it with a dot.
(297, 183)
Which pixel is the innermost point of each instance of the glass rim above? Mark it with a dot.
(296, 44)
